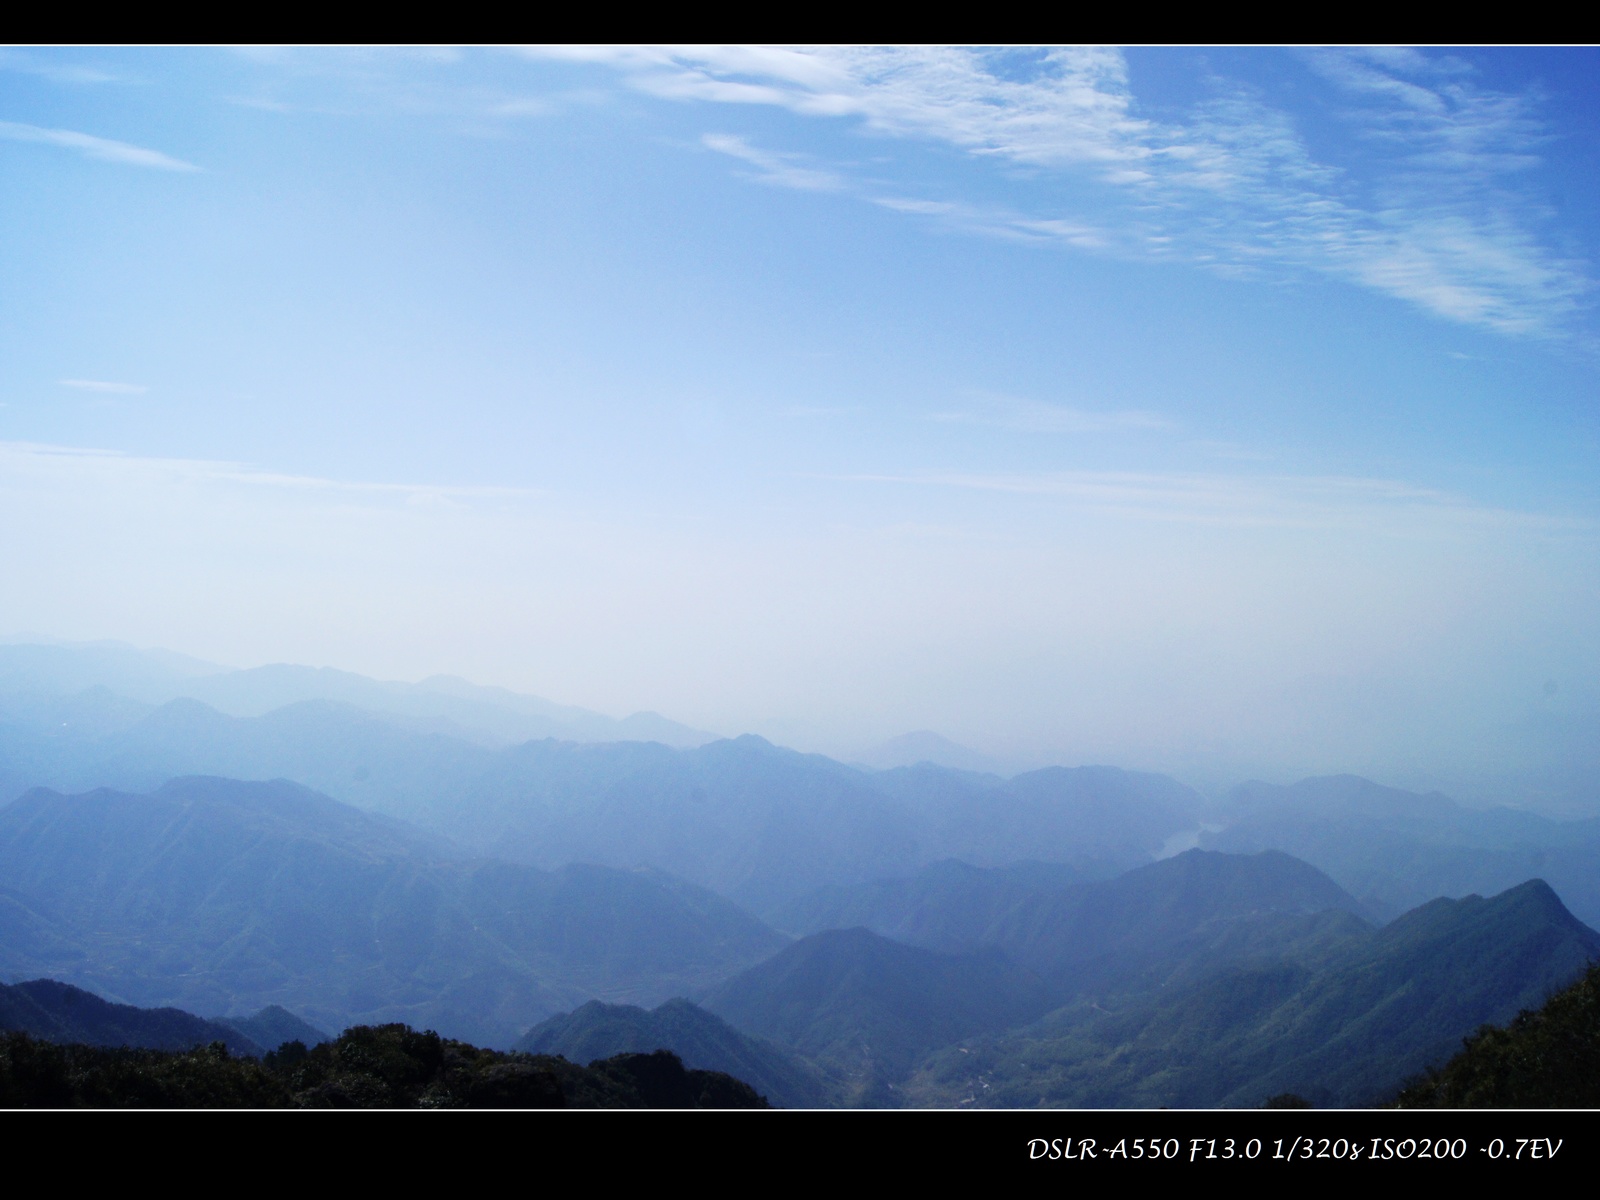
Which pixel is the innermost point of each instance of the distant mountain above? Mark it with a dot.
(59, 1012)
(700, 1039)
(765, 826)
(757, 823)
(1343, 1026)
(67, 668)
(750, 820)
(869, 1007)
(925, 746)
(950, 905)
(441, 704)
(274, 1026)
(213, 895)
(1075, 812)
(1097, 935)
(347, 752)
(754, 822)
(1181, 914)
(1396, 849)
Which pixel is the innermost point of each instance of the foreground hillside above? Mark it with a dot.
(390, 1066)
(1547, 1057)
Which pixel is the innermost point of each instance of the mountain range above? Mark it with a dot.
(702, 1040)
(221, 896)
(301, 850)
(1339, 1021)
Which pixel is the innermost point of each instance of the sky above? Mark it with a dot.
(1225, 412)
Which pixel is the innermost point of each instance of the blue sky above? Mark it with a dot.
(1211, 410)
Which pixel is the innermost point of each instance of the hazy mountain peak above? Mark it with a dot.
(1338, 795)
(493, 715)
(925, 746)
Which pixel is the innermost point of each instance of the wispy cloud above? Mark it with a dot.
(31, 457)
(56, 72)
(86, 144)
(102, 385)
(1036, 416)
(781, 170)
(428, 82)
(994, 220)
(1327, 502)
(1436, 213)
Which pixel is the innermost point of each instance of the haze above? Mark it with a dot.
(1213, 412)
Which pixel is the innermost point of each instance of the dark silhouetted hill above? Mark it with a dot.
(390, 1066)
(58, 1012)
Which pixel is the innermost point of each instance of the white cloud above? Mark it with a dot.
(103, 149)
(781, 170)
(1232, 184)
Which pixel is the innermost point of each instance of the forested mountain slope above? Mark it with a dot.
(699, 1038)
(868, 1008)
(58, 1012)
(1344, 1025)
(221, 896)
(1548, 1057)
